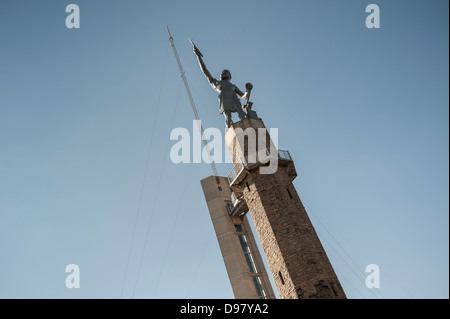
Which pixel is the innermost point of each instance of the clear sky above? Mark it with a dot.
(363, 112)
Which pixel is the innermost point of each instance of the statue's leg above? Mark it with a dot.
(241, 113)
(228, 118)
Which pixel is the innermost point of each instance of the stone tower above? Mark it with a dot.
(297, 260)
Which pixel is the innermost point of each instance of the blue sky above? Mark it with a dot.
(363, 112)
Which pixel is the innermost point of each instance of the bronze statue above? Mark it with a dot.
(229, 93)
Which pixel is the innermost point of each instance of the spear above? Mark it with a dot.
(195, 47)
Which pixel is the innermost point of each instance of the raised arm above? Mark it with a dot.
(203, 66)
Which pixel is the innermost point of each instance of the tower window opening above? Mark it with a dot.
(290, 195)
(247, 254)
(332, 288)
(281, 277)
(259, 288)
(248, 187)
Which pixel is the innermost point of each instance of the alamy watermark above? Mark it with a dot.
(373, 278)
(73, 19)
(373, 19)
(259, 148)
(73, 279)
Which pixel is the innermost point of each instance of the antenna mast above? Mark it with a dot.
(194, 108)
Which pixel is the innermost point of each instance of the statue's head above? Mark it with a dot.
(225, 75)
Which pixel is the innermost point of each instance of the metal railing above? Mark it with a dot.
(284, 155)
(238, 167)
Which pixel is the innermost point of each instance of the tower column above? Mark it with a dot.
(243, 262)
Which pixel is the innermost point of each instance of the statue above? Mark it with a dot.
(229, 94)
